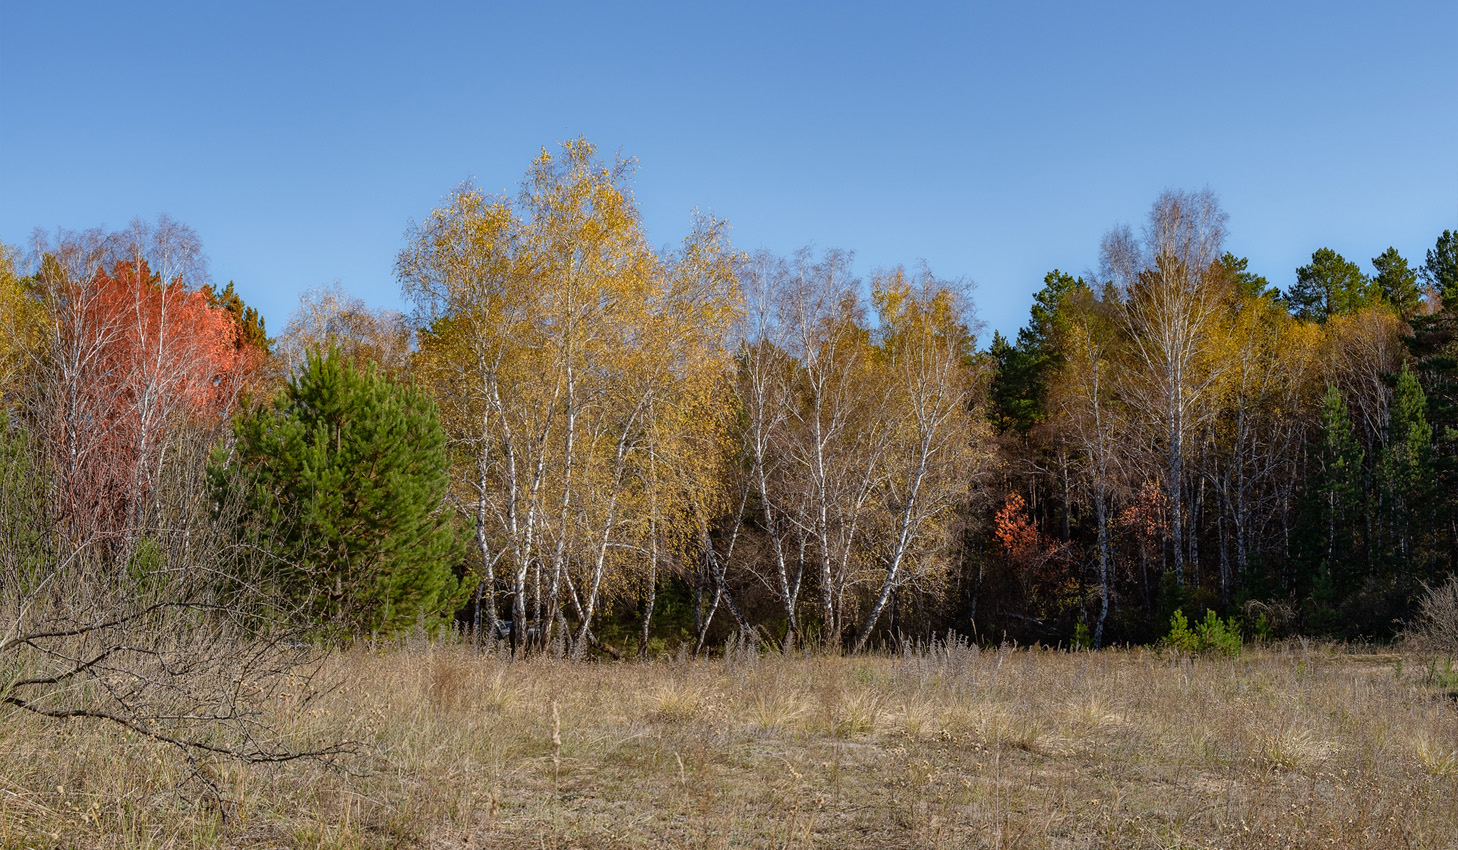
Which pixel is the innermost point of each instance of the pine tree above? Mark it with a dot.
(250, 323)
(1440, 269)
(1397, 283)
(1330, 286)
(1434, 346)
(1406, 478)
(1012, 402)
(1340, 492)
(1328, 541)
(345, 474)
(1018, 394)
(1248, 284)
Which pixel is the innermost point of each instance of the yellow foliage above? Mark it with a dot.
(581, 374)
(21, 320)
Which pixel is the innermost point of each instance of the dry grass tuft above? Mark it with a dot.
(1437, 759)
(1004, 727)
(677, 702)
(776, 709)
(1293, 749)
(855, 713)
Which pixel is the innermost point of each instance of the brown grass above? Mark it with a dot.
(1288, 747)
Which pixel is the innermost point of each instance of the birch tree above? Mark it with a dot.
(764, 387)
(474, 311)
(1268, 394)
(1173, 297)
(935, 436)
(327, 318)
(565, 348)
(131, 352)
(835, 440)
(1093, 420)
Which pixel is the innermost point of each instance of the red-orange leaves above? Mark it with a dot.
(168, 342)
(1015, 531)
(1038, 560)
(137, 361)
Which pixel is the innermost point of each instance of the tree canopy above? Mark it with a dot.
(576, 438)
(1330, 285)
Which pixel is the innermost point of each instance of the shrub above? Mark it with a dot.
(1210, 635)
(1437, 619)
(1180, 637)
(1082, 637)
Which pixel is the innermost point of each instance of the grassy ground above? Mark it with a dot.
(1288, 747)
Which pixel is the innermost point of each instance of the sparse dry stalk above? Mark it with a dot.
(556, 742)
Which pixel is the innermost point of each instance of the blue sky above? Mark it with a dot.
(995, 141)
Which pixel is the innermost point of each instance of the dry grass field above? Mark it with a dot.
(1293, 746)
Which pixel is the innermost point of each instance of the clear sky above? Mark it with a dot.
(994, 140)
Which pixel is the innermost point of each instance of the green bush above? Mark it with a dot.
(1180, 637)
(1082, 637)
(1210, 635)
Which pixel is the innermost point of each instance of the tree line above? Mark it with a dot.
(575, 440)
(1181, 433)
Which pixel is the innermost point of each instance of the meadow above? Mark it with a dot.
(1291, 745)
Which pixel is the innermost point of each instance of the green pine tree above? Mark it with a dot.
(1323, 612)
(250, 322)
(1434, 346)
(345, 476)
(1441, 268)
(1328, 543)
(1019, 387)
(1397, 283)
(1009, 402)
(1340, 492)
(1248, 284)
(1331, 285)
(1405, 481)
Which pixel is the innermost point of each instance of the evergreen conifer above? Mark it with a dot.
(345, 472)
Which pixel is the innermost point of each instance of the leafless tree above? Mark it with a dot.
(330, 316)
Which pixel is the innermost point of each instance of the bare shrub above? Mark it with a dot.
(1437, 620)
(168, 630)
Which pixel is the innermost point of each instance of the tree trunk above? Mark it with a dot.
(650, 591)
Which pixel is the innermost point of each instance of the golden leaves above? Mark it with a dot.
(20, 321)
(581, 372)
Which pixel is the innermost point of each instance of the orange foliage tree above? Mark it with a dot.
(1038, 561)
(134, 358)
